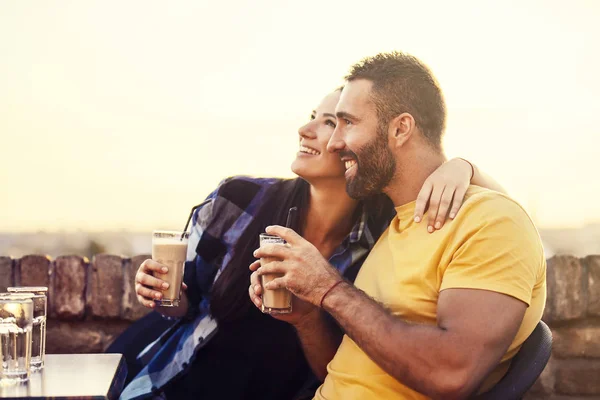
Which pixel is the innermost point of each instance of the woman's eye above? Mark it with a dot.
(330, 123)
(312, 117)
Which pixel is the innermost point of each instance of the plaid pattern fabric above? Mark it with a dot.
(215, 229)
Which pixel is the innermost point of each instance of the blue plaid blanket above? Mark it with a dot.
(215, 229)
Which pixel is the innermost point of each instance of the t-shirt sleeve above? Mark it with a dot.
(497, 248)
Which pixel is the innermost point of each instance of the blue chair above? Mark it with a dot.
(525, 368)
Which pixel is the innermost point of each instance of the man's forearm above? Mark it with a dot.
(320, 339)
(420, 356)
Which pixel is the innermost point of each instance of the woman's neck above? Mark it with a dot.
(329, 216)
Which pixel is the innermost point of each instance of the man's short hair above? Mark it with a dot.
(402, 83)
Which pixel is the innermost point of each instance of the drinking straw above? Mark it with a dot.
(192, 214)
(291, 218)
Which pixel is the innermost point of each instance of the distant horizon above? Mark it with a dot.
(593, 223)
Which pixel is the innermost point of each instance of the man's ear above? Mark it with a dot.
(401, 129)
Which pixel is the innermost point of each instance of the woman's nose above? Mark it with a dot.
(307, 131)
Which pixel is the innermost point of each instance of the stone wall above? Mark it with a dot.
(573, 314)
(91, 303)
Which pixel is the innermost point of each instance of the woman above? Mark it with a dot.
(223, 347)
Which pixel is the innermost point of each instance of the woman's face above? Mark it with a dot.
(313, 161)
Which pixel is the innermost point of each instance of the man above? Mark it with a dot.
(436, 315)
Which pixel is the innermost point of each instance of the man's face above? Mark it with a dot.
(362, 142)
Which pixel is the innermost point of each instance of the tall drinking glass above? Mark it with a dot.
(38, 340)
(16, 323)
(170, 249)
(277, 301)
(39, 322)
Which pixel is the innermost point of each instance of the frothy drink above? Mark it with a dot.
(169, 250)
(278, 301)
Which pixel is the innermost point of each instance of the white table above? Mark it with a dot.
(73, 376)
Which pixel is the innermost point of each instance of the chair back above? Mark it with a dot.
(525, 368)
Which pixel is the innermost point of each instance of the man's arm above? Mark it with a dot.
(450, 360)
(319, 336)
(320, 339)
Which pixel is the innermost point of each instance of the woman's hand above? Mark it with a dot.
(443, 190)
(149, 288)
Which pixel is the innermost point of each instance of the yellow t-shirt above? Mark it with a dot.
(492, 244)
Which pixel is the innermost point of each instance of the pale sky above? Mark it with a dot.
(123, 114)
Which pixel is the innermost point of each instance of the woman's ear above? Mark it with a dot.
(401, 129)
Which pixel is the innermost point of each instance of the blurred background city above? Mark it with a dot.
(117, 117)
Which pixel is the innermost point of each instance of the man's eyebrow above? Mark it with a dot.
(343, 114)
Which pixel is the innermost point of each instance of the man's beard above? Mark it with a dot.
(374, 169)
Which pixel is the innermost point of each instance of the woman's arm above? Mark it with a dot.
(482, 179)
(444, 190)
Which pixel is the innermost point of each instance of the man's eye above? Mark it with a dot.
(347, 121)
(330, 123)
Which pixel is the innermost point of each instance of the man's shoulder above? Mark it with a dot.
(484, 203)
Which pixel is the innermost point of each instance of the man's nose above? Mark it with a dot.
(336, 143)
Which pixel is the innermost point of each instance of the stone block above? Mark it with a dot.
(132, 309)
(578, 377)
(34, 270)
(6, 273)
(70, 277)
(566, 294)
(544, 385)
(89, 336)
(68, 338)
(593, 263)
(576, 342)
(112, 331)
(105, 290)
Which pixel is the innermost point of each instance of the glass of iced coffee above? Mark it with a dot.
(278, 301)
(170, 248)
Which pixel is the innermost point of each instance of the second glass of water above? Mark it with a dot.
(40, 305)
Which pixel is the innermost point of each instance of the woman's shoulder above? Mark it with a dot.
(248, 187)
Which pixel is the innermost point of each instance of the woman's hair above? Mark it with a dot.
(229, 294)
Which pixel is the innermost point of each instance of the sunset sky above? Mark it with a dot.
(121, 115)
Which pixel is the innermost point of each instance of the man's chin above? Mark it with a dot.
(355, 190)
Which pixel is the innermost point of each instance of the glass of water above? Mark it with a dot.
(40, 312)
(16, 324)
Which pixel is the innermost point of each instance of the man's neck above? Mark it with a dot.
(329, 214)
(411, 175)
